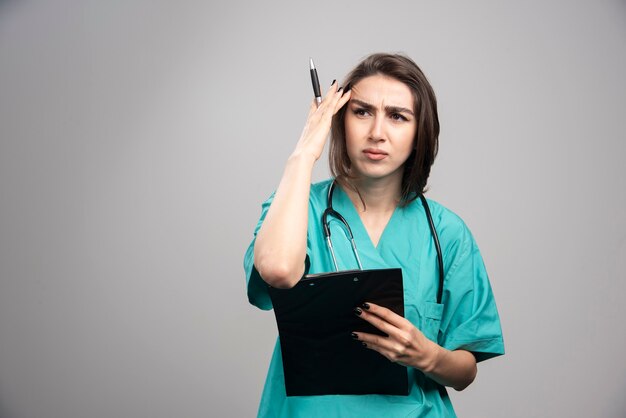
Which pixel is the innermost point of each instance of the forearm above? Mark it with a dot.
(280, 247)
(452, 368)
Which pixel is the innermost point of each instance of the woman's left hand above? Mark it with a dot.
(405, 344)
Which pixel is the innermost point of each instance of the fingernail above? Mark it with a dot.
(333, 83)
(366, 305)
(354, 336)
(347, 89)
(340, 88)
(363, 344)
(358, 311)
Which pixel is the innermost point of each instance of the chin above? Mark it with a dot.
(374, 172)
(372, 175)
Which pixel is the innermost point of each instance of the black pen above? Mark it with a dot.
(316, 83)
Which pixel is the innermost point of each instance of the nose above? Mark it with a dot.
(377, 129)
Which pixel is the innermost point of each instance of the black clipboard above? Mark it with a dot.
(315, 319)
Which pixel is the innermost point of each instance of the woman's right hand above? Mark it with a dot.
(317, 127)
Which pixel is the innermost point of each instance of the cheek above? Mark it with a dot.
(352, 135)
(410, 139)
(349, 128)
(351, 146)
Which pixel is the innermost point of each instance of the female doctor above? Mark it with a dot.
(384, 140)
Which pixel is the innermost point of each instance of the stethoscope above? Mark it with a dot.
(332, 212)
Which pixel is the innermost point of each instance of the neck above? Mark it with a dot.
(379, 195)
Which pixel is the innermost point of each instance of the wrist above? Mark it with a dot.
(434, 357)
(300, 157)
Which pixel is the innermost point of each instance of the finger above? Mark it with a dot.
(382, 349)
(329, 93)
(337, 97)
(333, 87)
(382, 325)
(329, 99)
(386, 315)
(345, 97)
(373, 340)
(313, 107)
(332, 100)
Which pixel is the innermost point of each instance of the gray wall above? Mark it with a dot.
(138, 140)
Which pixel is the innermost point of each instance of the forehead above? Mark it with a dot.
(380, 90)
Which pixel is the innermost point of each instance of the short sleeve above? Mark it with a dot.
(470, 320)
(258, 294)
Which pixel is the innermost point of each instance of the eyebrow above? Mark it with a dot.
(389, 109)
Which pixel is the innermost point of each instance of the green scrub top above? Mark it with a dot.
(467, 319)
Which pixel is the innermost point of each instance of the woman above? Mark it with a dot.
(384, 140)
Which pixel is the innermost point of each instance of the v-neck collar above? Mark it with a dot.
(343, 204)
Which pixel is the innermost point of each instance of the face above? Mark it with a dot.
(380, 127)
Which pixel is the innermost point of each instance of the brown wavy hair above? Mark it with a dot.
(417, 166)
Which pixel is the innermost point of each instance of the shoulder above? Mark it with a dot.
(318, 196)
(445, 218)
(454, 234)
(321, 187)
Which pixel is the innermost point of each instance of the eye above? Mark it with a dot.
(359, 111)
(398, 117)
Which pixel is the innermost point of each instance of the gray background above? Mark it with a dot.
(138, 140)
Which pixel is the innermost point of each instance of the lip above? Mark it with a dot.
(374, 154)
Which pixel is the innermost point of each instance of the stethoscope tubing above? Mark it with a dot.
(433, 232)
(332, 212)
(329, 211)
